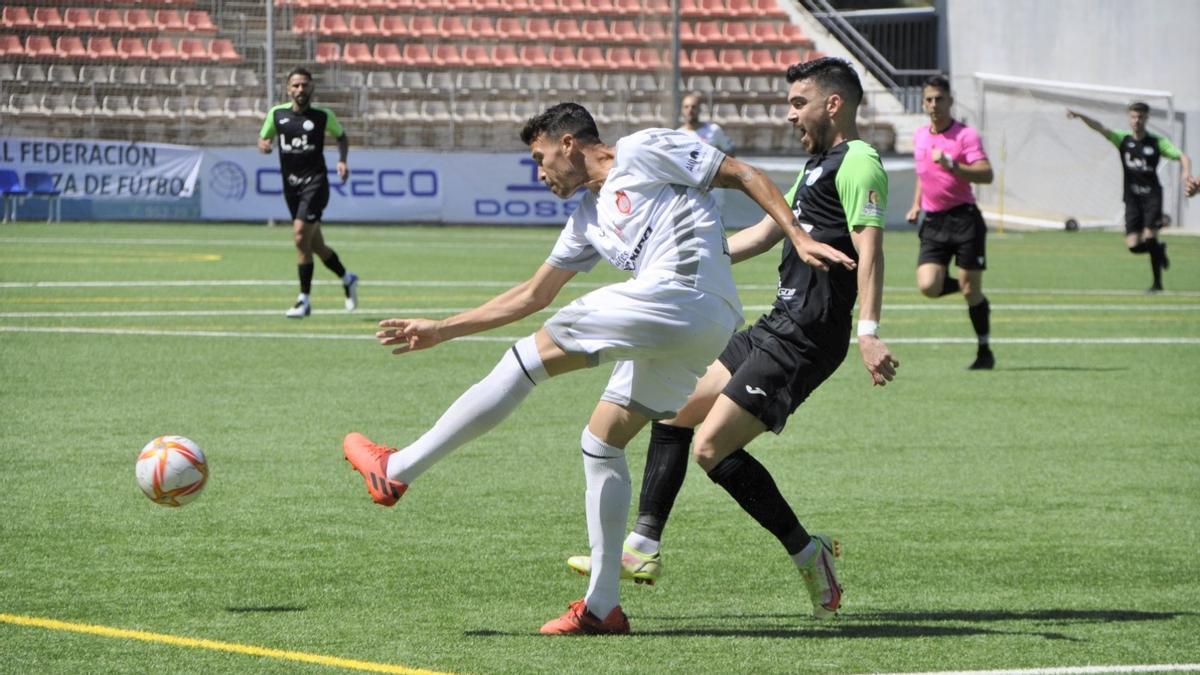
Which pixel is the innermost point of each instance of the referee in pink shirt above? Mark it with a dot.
(949, 157)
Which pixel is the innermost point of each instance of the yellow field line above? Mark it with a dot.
(216, 645)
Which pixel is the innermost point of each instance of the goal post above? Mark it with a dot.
(1050, 170)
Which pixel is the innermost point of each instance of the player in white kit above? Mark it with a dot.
(647, 211)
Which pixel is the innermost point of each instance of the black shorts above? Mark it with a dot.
(958, 233)
(776, 364)
(307, 202)
(1142, 212)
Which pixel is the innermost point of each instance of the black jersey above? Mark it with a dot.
(301, 141)
(842, 188)
(1139, 159)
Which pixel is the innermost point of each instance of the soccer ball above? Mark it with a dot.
(171, 470)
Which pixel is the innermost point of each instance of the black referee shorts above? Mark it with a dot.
(1143, 211)
(776, 365)
(307, 202)
(958, 233)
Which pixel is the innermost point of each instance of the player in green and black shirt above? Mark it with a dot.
(769, 369)
(301, 128)
(1140, 151)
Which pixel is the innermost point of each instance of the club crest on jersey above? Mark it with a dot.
(624, 204)
(814, 175)
(308, 125)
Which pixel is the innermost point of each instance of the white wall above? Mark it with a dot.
(1140, 44)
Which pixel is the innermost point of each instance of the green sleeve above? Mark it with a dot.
(791, 194)
(862, 185)
(1115, 137)
(268, 127)
(332, 126)
(1167, 149)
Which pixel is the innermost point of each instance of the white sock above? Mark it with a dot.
(806, 553)
(642, 544)
(476, 412)
(609, 491)
(303, 297)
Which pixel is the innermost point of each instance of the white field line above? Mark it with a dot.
(1077, 670)
(285, 238)
(398, 311)
(141, 332)
(497, 283)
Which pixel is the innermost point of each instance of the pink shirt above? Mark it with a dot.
(940, 189)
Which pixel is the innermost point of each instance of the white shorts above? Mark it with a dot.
(661, 336)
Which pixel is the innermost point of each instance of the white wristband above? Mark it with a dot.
(868, 328)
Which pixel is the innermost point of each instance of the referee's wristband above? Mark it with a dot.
(868, 328)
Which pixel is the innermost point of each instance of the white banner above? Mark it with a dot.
(84, 169)
(388, 186)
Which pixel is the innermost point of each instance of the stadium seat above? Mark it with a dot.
(31, 72)
(533, 56)
(743, 9)
(109, 19)
(690, 9)
(85, 105)
(407, 110)
(505, 56)
(190, 77)
(387, 54)
(127, 76)
(624, 30)
(654, 32)
(13, 193)
(132, 49)
(149, 107)
(48, 18)
(195, 49)
(79, 19)
(509, 28)
(169, 21)
(117, 106)
(559, 85)
(410, 83)
(737, 33)
(476, 56)
(762, 60)
(357, 53)
(539, 28)
(58, 106)
(589, 85)
(766, 32)
(244, 107)
(502, 85)
(223, 51)
(734, 60)
(725, 113)
(470, 84)
(452, 28)
(381, 80)
(95, 74)
(645, 85)
(16, 18)
(794, 36)
(417, 55)
(39, 47)
(657, 7)
(424, 27)
(8, 72)
(728, 86)
(163, 49)
(328, 52)
(333, 25)
(595, 30)
(543, 7)
(704, 60)
(769, 9)
(198, 21)
(447, 56)
(567, 29)
(70, 47)
(516, 6)
(787, 57)
(304, 24)
(393, 25)
(156, 77)
(481, 28)
(11, 47)
(138, 19)
(648, 58)
(379, 110)
(761, 86)
(701, 84)
(592, 58)
(708, 33)
(563, 56)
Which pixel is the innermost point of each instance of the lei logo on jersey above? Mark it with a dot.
(624, 204)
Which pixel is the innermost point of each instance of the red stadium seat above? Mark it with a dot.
(545, 6)
(79, 18)
(509, 28)
(690, 9)
(304, 24)
(16, 18)
(577, 7)
(70, 47)
(39, 47)
(793, 35)
(687, 33)
(481, 28)
(48, 18)
(787, 57)
(567, 29)
(387, 54)
(769, 9)
(452, 28)
(163, 49)
(355, 53)
(533, 56)
(447, 56)
(329, 52)
(223, 51)
(624, 30)
(742, 8)
(563, 56)
(516, 6)
(476, 56)
(505, 56)
(654, 32)
(766, 33)
(11, 47)
(109, 19)
(423, 27)
(627, 7)
(705, 60)
(649, 58)
(595, 30)
(132, 49)
(198, 21)
(538, 28)
(417, 54)
(138, 19)
(709, 33)
(363, 25)
(100, 48)
(333, 25)
(194, 49)
(737, 33)
(734, 60)
(592, 58)
(762, 60)
(393, 25)
(658, 7)
(169, 20)
(620, 58)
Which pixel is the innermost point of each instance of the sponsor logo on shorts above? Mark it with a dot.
(755, 391)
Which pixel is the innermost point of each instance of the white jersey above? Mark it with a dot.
(713, 134)
(654, 216)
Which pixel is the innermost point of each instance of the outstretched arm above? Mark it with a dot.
(735, 173)
(1095, 126)
(754, 240)
(880, 363)
(516, 303)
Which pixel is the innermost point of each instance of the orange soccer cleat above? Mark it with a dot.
(579, 621)
(371, 461)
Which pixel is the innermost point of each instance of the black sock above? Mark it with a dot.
(981, 315)
(335, 265)
(1140, 247)
(1156, 261)
(755, 491)
(666, 465)
(306, 272)
(949, 285)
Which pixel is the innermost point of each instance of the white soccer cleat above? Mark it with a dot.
(351, 288)
(820, 577)
(299, 310)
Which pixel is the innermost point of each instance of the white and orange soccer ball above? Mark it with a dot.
(171, 470)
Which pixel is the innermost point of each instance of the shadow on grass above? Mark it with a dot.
(266, 609)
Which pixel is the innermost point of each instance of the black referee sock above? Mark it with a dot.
(335, 265)
(1156, 261)
(755, 491)
(981, 315)
(949, 285)
(666, 465)
(306, 274)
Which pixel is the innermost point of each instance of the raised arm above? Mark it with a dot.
(516, 303)
(735, 173)
(1095, 126)
(880, 363)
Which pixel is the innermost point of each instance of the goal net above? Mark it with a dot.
(1050, 170)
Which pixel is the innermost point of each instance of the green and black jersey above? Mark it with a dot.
(1140, 160)
(843, 188)
(301, 141)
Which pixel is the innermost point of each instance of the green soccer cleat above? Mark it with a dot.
(642, 568)
(820, 577)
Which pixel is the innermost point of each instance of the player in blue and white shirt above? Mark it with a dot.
(646, 210)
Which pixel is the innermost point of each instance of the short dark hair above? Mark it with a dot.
(940, 82)
(830, 74)
(1138, 106)
(299, 70)
(561, 119)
